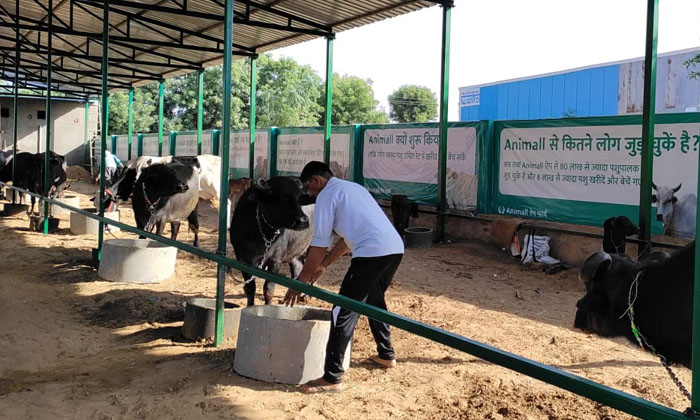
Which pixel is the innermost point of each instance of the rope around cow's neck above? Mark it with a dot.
(642, 340)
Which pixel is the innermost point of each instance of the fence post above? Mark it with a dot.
(173, 138)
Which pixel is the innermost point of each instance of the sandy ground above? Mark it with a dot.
(75, 347)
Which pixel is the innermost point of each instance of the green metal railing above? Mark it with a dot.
(565, 380)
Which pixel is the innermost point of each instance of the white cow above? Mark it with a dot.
(676, 214)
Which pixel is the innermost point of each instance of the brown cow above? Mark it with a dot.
(236, 188)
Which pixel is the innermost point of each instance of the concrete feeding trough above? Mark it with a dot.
(83, 225)
(200, 319)
(283, 344)
(136, 261)
(71, 200)
(36, 223)
(418, 237)
(9, 209)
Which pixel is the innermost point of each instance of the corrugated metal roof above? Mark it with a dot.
(152, 39)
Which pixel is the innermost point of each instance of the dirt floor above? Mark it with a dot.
(75, 347)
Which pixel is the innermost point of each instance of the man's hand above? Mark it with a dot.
(293, 296)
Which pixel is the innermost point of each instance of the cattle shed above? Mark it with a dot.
(88, 48)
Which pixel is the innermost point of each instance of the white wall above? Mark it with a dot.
(67, 129)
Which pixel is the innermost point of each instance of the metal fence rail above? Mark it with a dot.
(565, 380)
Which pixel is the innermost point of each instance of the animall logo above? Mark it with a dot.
(501, 209)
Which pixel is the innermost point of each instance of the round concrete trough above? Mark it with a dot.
(136, 261)
(83, 225)
(283, 344)
(200, 319)
(418, 237)
(71, 200)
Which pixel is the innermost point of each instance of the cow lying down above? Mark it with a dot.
(659, 289)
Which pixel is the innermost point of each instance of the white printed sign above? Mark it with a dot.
(296, 150)
(595, 163)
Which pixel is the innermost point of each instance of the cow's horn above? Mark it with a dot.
(261, 183)
(299, 183)
(654, 185)
(675, 190)
(594, 266)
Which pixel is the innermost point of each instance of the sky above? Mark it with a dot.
(496, 40)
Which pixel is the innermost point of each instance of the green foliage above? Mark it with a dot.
(411, 103)
(289, 95)
(145, 111)
(353, 102)
(692, 62)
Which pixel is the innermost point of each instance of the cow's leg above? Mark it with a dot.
(193, 223)
(249, 288)
(269, 287)
(174, 230)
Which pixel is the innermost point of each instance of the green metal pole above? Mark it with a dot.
(200, 109)
(131, 121)
(87, 120)
(161, 91)
(695, 400)
(173, 143)
(15, 132)
(329, 99)
(253, 94)
(223, 198)
(648, 116)
(47, 149)
(444, 102)
(105, 121)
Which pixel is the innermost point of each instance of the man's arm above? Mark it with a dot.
(309, 274)
(340, 249)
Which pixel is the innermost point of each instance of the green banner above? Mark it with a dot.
(585, 170)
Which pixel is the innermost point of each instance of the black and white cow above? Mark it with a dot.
(402, 209)
(676, 214)
(167, 194)
(270, 227)
(662, 299)
(615, 233)
(29, 173)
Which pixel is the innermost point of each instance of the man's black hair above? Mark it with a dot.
(315, 168)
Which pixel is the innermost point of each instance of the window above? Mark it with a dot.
(5, 112)
(41, 114)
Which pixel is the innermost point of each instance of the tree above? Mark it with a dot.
(353, 102)
(288, 93)
(692, 62)
(411, 103)
(145, 112)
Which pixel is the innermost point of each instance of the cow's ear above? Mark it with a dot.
(653, 198)
(595, 267)
(674, 199)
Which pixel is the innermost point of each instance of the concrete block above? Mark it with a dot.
(71, 200)
(136, 261)
(283, 344)
(9, 209)
(200, 319)
(83, 225)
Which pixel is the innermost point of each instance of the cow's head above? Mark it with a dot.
(279, 200)
(607, 278)
(665, 200)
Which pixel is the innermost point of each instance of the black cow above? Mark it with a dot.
(267, 211)
(402, 209)
(615, 232)
(29, 173)
(167, 193)
(663, 307)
